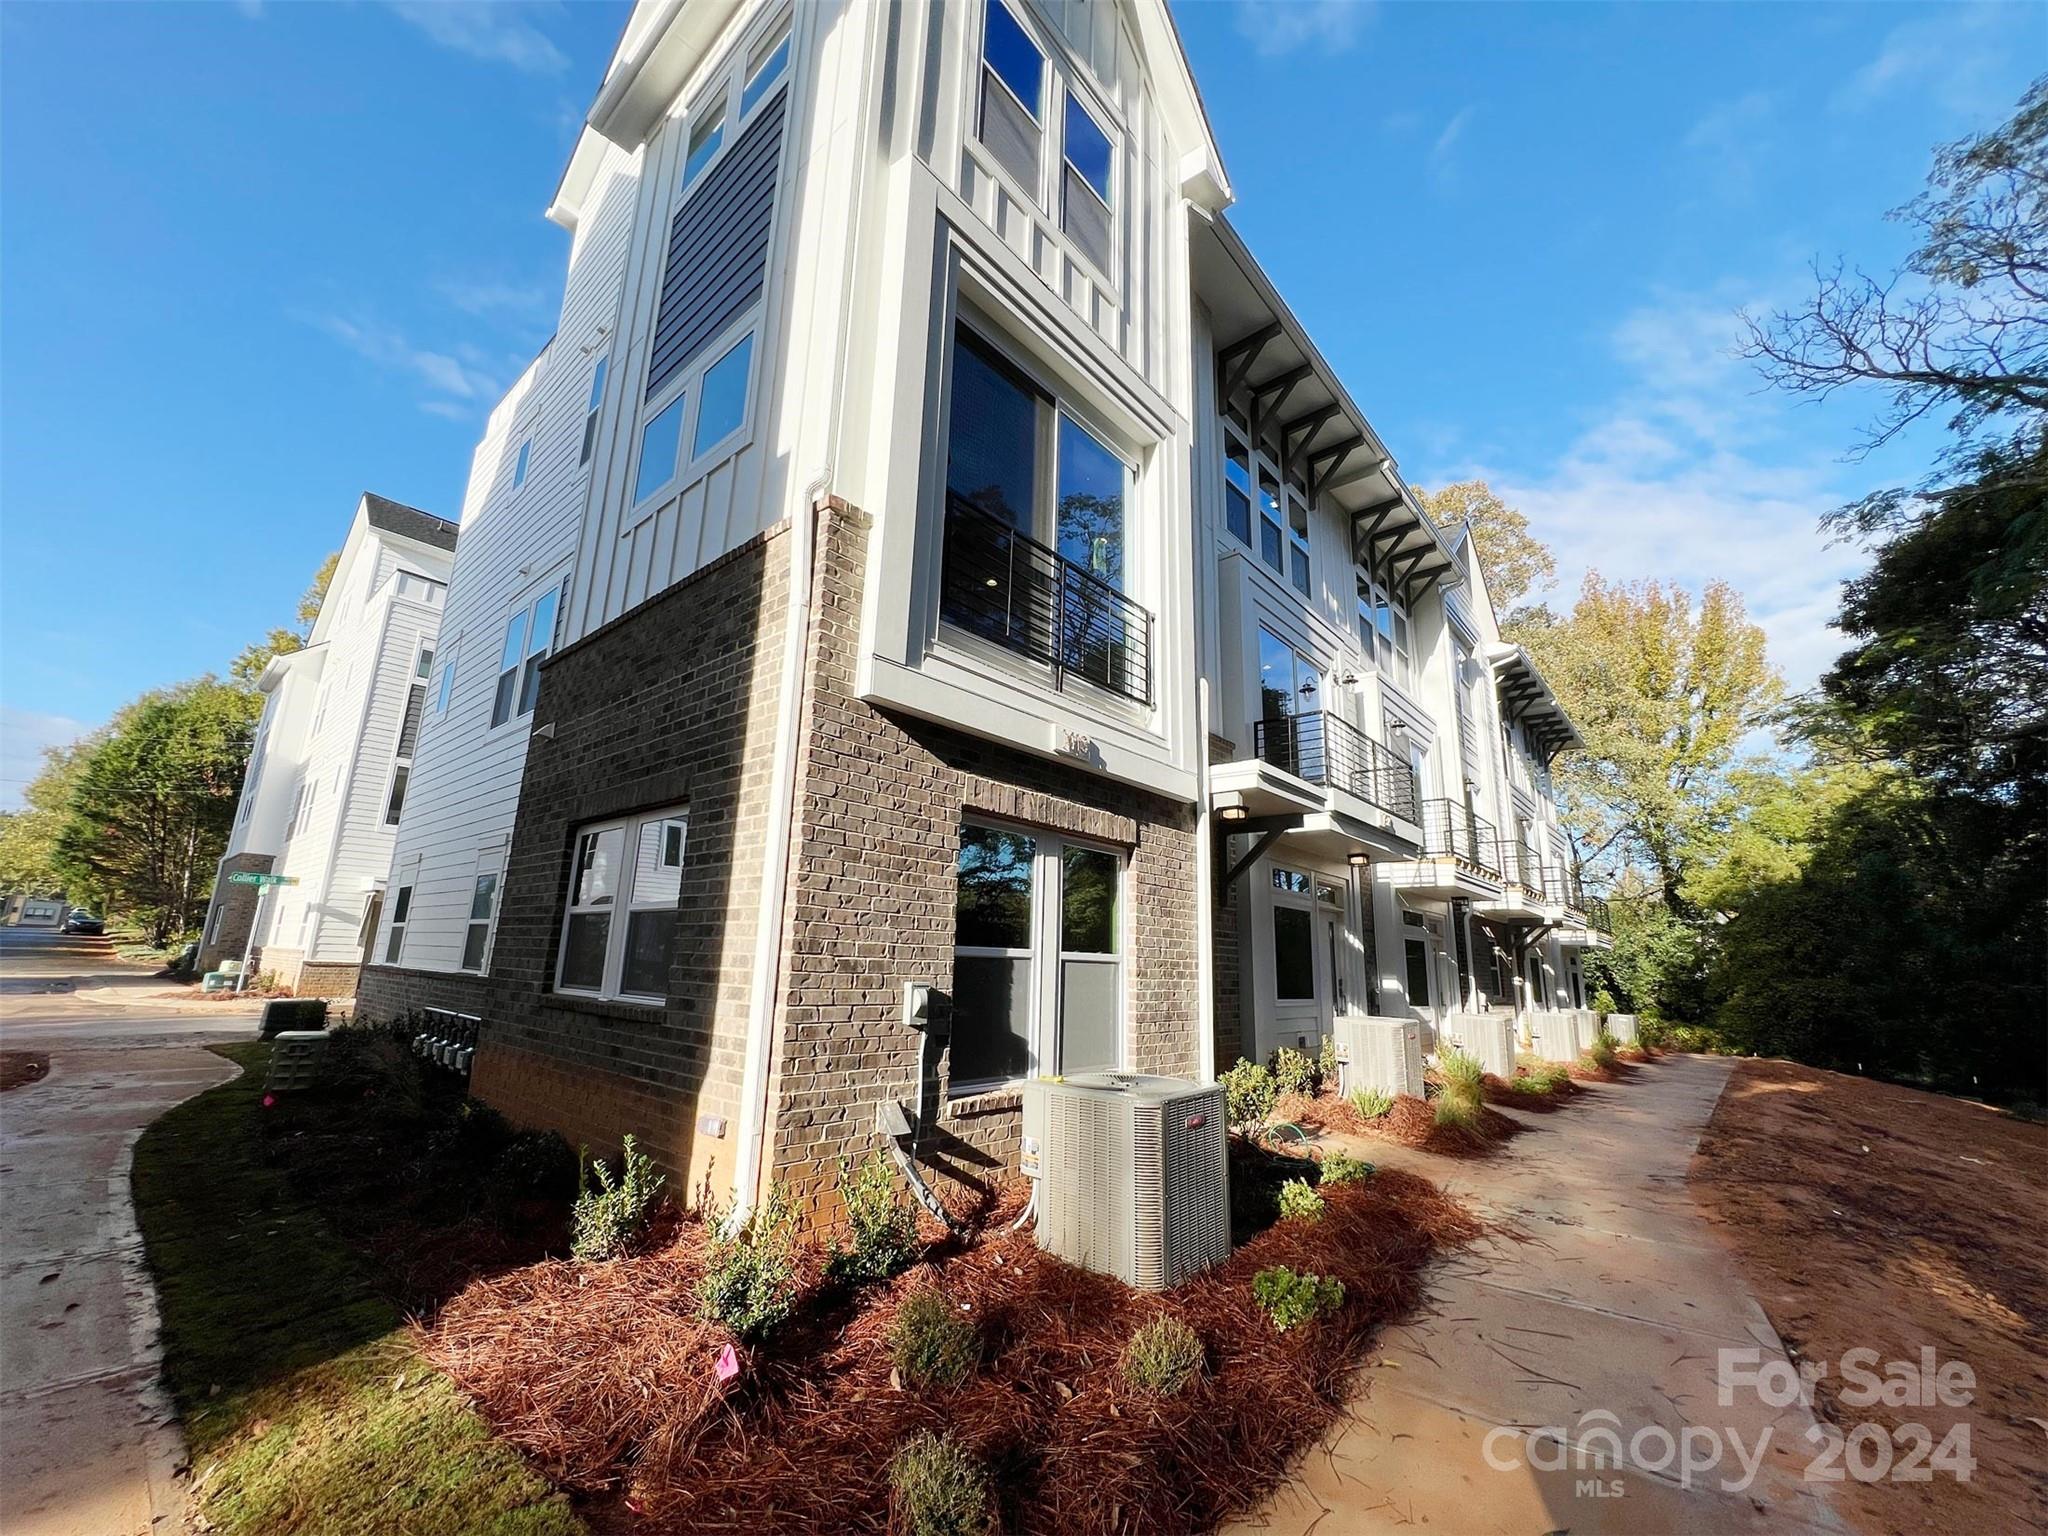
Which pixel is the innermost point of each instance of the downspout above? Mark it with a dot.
(1205, 896)
(767, 974)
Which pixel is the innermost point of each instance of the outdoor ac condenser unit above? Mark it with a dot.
(1378, 1052)
(1133, 1174)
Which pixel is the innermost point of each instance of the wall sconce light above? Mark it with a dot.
(1358, 858)
(1232, 813)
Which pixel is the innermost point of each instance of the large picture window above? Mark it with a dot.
(619, 926)
(1037, 963)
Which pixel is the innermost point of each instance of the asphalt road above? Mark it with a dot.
(91, 1445)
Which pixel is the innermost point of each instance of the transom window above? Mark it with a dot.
(529, 635)
(707, 135)
(1037, 959)
(625, 888)
(767, 64)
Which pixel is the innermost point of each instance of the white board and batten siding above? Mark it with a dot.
(515, 543)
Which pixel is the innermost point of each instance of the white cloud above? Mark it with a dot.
(454, 379)
(1728, 141)
(490, 296)
(1441, 153)
(1690, 476)
(1278, 27)
(1959, 55)
(24, 733)
(495, 31)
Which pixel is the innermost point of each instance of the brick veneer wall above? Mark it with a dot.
(326, 978)
(675, 702)
(1231, 1030)
(870, 905)
(236, 906)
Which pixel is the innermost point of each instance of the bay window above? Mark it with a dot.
(1037, 961)
(620, 920)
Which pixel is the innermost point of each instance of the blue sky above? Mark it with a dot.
(258, 258)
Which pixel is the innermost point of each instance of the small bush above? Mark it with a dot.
(1326, 1063)
(1290, 1298)
(1372, 1103)
(609, 1219)
(939, 1489)
(1603, 1001)
(534, 1165)
(749, 1279)
(1343, 1168)
(1248, 1093)
(1463, 1091)
(1300, 1202)
(931, 1344)
(884, 1228)
(1605, 1049)
(1294, 1071)
(1163, 1356)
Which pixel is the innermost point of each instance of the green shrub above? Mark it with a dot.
(1326, 1063)
(1300, 1202)
(1290, 1298)
(299, 1013)
(1163, 1356)
(1294, 1071)
(931, 1344)
(1538, 1076)
(534, 1165)
(749, 1279)
(1248, 1093)
(1463, 1091)
(610, 1218)
(1371, 1103)
(1603, 1001)
(884, 1227)
(1343, 1168)
(940, 1490)
(1604, 1051)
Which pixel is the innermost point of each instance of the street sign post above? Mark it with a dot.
(249, 877)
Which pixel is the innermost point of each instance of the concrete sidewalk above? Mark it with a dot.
(89, 1439)
(1593, 1316)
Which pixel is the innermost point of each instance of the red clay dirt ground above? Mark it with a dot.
(1870, 1215)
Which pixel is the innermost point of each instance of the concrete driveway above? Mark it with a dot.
(89, 1439)
(1568, 1373)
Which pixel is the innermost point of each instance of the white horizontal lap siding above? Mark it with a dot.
(464, 789)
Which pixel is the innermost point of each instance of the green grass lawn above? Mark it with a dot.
(306, 1407)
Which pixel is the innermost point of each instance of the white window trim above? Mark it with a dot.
(1051, 83)
(402, 898)
(444, 682)
(621, 908)
(557, 583)
(491, 864)
(1045, 953)
(692, 467)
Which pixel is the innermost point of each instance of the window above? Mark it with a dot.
(1037, 967)
(706, 135)
(591, 410)
(1237, 491)
(1294, 961)
(769, 62)
(1012, 95)
(1383, 628)
(1085, 207)
(445, 687)
(422, 667)
(1417, 953)
(1272, 548)
(519, 464)
(401, 909)
(634, 867)
(660, 442)
(722, 398)
(1297, 539)
(528, 636)
(396, 801)
(483, 905)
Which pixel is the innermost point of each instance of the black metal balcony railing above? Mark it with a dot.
(1327, 749)
(1013, 590)
(1451, 830)
(1597, 919)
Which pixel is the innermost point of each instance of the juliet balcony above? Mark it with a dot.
(1011, 590)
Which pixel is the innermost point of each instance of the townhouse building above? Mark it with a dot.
(332, 761)
(930, 617)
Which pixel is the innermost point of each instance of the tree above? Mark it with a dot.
(1516, 563)
(153, 802)
(1664, 690)
(28, 837)
(248, 667)
(1963, 326)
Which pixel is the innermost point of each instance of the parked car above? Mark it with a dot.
(84, 922)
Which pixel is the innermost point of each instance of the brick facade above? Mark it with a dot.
(234, 909)
(675, 703)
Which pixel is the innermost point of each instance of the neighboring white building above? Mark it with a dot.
(931, 553)
(332, 761)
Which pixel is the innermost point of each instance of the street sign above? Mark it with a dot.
(245, 877)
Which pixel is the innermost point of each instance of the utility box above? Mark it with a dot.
(1623, 1027)
(1488, 1036)
(296, 1057)
(1133, 1174)
(1377, 1052)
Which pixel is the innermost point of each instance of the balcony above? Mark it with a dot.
(1012, 590)
(1328, 750)
(1455, 831)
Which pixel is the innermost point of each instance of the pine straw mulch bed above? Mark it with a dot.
(1411, 1122)
(1500, 1090)
(603, 1375)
